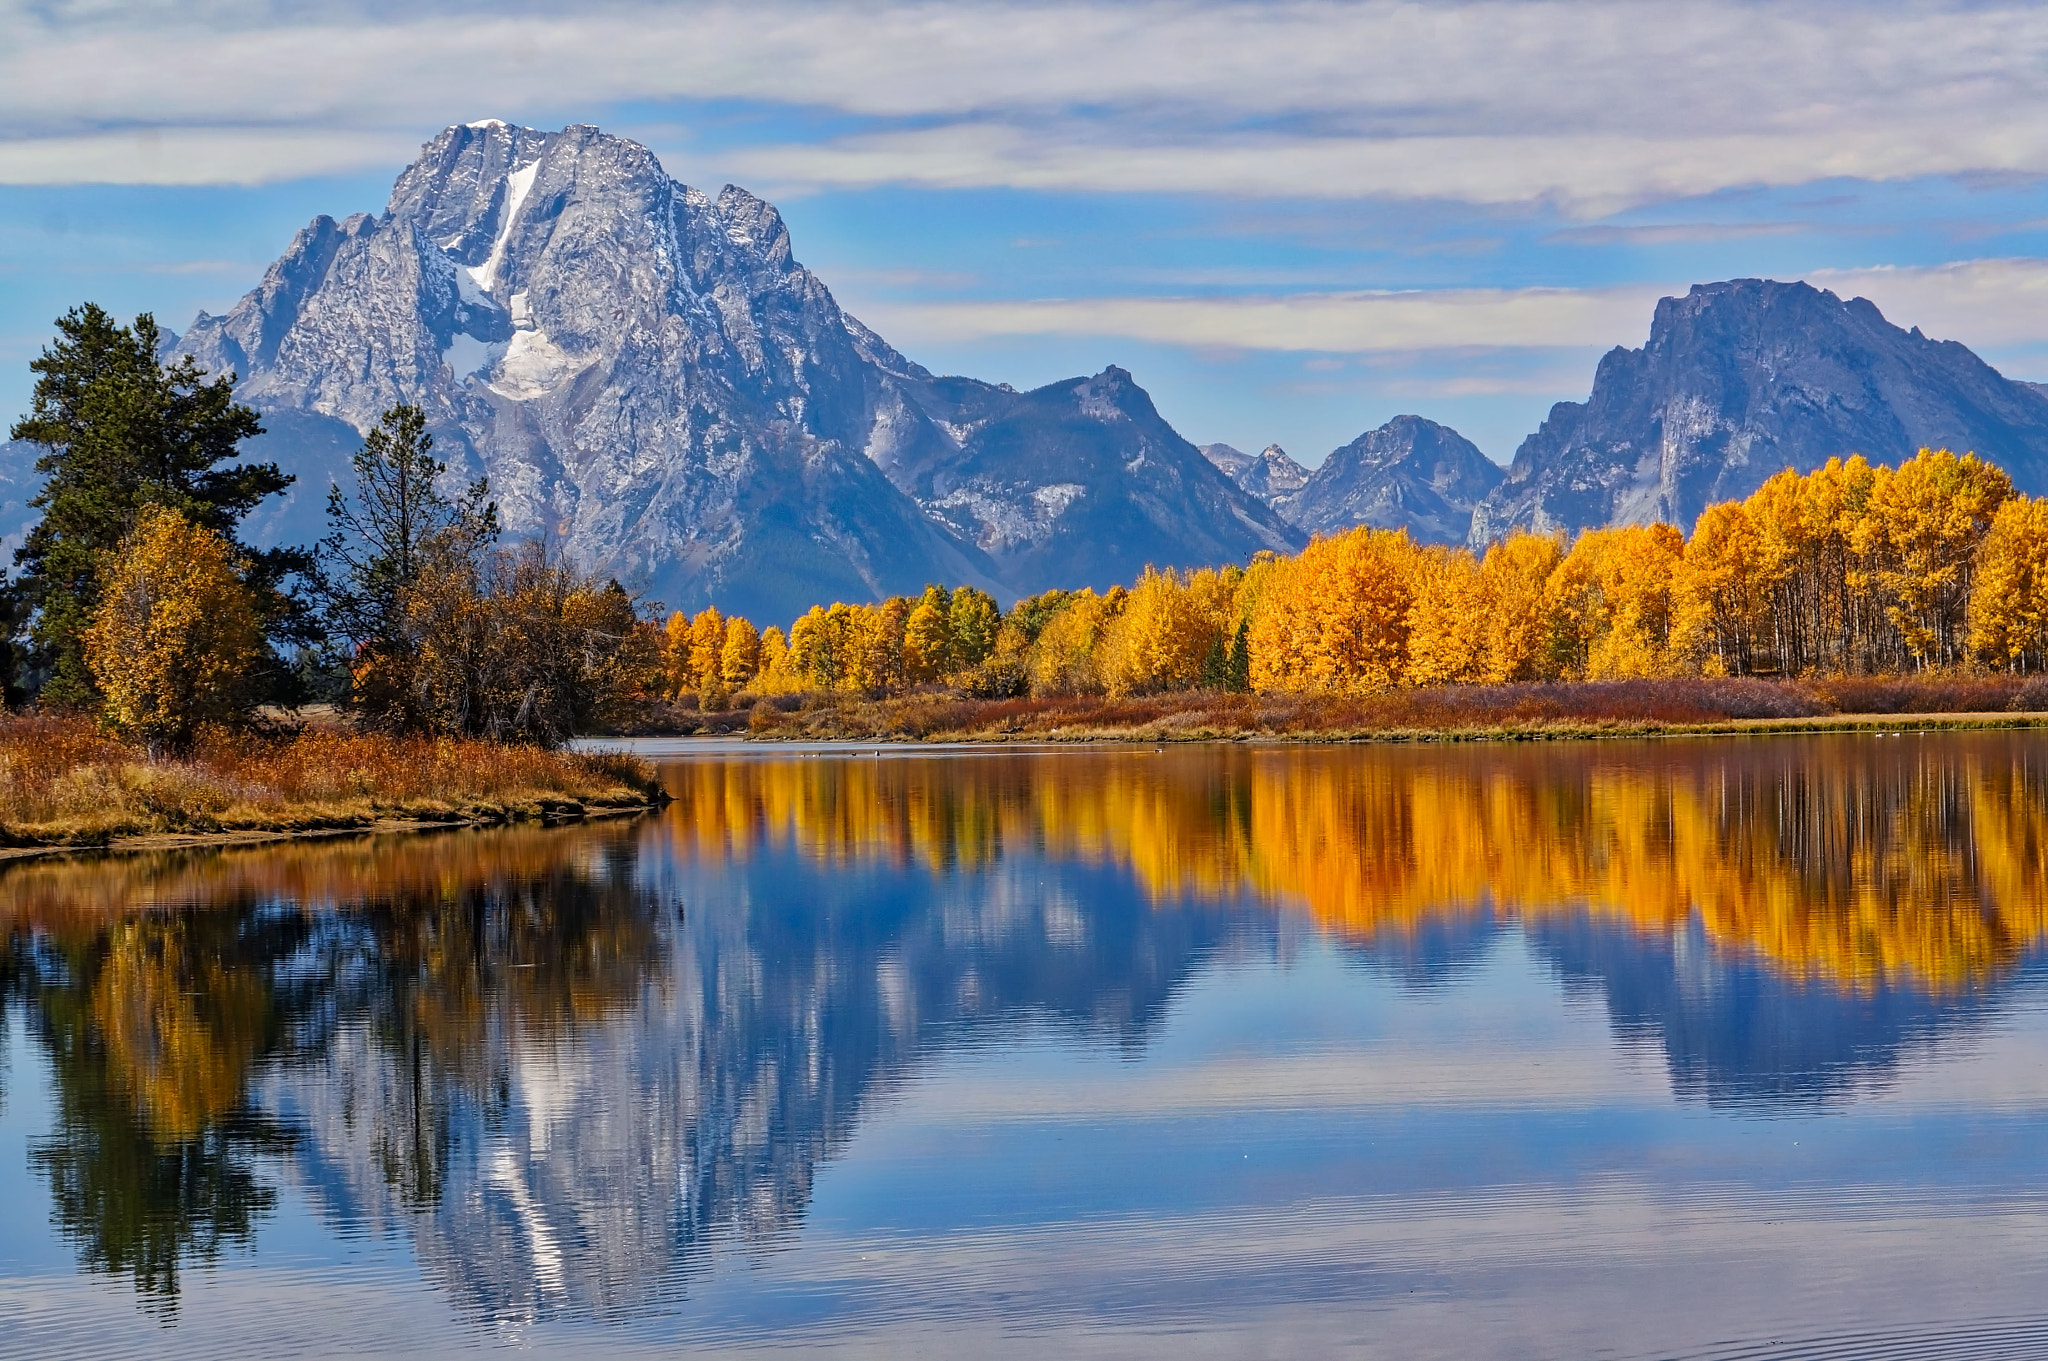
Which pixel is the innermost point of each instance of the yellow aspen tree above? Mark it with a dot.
(973, 622)
(2009, 598)
(1718, 598)
(928, 637)
(1926, 521)
(175, 631)
(1518, 623)
(740, 659)
(1161, 638)
(1335, 618)
(1611, 597)
(1447, 618)
(707, 644)
(677, 679)
(1062, 658)
(773, 675)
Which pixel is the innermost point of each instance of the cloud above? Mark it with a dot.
(1982, 303)
(195, 156)
(1591, 105)
(1349, 322)
(1985, 304)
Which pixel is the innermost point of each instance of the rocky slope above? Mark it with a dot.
(642, 370)
(1080, 482)
(1268, 475)
(1743, 378)
(1410, 473)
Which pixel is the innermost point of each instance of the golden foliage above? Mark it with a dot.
(1519, 634)
(174, 632)
(1336, 617)
(2009, 602)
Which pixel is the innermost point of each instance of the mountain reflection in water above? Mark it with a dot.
(574, 1068)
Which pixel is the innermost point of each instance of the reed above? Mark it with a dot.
(64, 781)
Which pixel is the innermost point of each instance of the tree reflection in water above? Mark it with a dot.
(514, 1049)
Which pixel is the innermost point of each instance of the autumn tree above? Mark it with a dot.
(175, 632)
(1166, 632)
(1447, 618)
(121, 431)
(2009, 596)
(382, 543)
(972, 621)
(928, 636)
(1062, 657)
(1335, 618)
(740, 659)
(1925, 522)
(1612, 599)
(1720, 596)
(1521, 637)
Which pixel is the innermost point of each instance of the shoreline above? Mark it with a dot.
(1166, 729)
(146, 842)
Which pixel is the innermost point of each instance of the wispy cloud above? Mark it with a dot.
(1350, 322)
(1983, 303)
(1591, 105)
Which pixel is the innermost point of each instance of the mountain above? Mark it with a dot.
(642, 370)
(1743, 378)
(645, 373)
(1080, 482)
(1268, 475)
(1410, 473)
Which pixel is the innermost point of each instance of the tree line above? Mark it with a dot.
(1851, 568)
(133, 596)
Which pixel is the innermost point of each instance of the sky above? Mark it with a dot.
(1290, 221)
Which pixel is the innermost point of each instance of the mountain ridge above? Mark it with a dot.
(1742, 378)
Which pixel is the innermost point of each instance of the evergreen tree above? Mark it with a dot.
(122, 431)
(1237, 668)
(395, 529)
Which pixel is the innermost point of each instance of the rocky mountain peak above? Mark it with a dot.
(1741, 378)
(1409, 473)
(645, 371)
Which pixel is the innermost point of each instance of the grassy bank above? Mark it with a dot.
(1587, 708)
(63, 782)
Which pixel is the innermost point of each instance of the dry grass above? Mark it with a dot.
(1559, 709)
(63, 781)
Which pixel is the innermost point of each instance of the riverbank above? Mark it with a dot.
(66, 785)
(1540, 711)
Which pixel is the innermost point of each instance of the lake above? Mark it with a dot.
(1687, 1048)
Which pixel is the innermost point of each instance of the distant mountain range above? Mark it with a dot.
(646, 373)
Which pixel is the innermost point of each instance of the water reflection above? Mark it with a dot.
(571, 1068)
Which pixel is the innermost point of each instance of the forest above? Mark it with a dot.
(1936, 566)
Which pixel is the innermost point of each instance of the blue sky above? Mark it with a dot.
(1289, 221)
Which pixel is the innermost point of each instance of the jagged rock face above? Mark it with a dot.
(1267, 475)
(1409, 474)
(1273, 475)
(641, 369)
(1080, 482)
(1742, 379)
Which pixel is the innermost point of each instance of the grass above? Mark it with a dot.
(63, 781)
(1526, 710)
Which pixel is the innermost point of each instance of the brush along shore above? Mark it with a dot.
(64, 783)
(1462, 712)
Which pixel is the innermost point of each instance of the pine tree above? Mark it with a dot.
(383, 541)
(122, 431)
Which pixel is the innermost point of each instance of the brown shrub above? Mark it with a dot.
(62, 780)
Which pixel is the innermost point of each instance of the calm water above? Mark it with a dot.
(1600, 1049)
